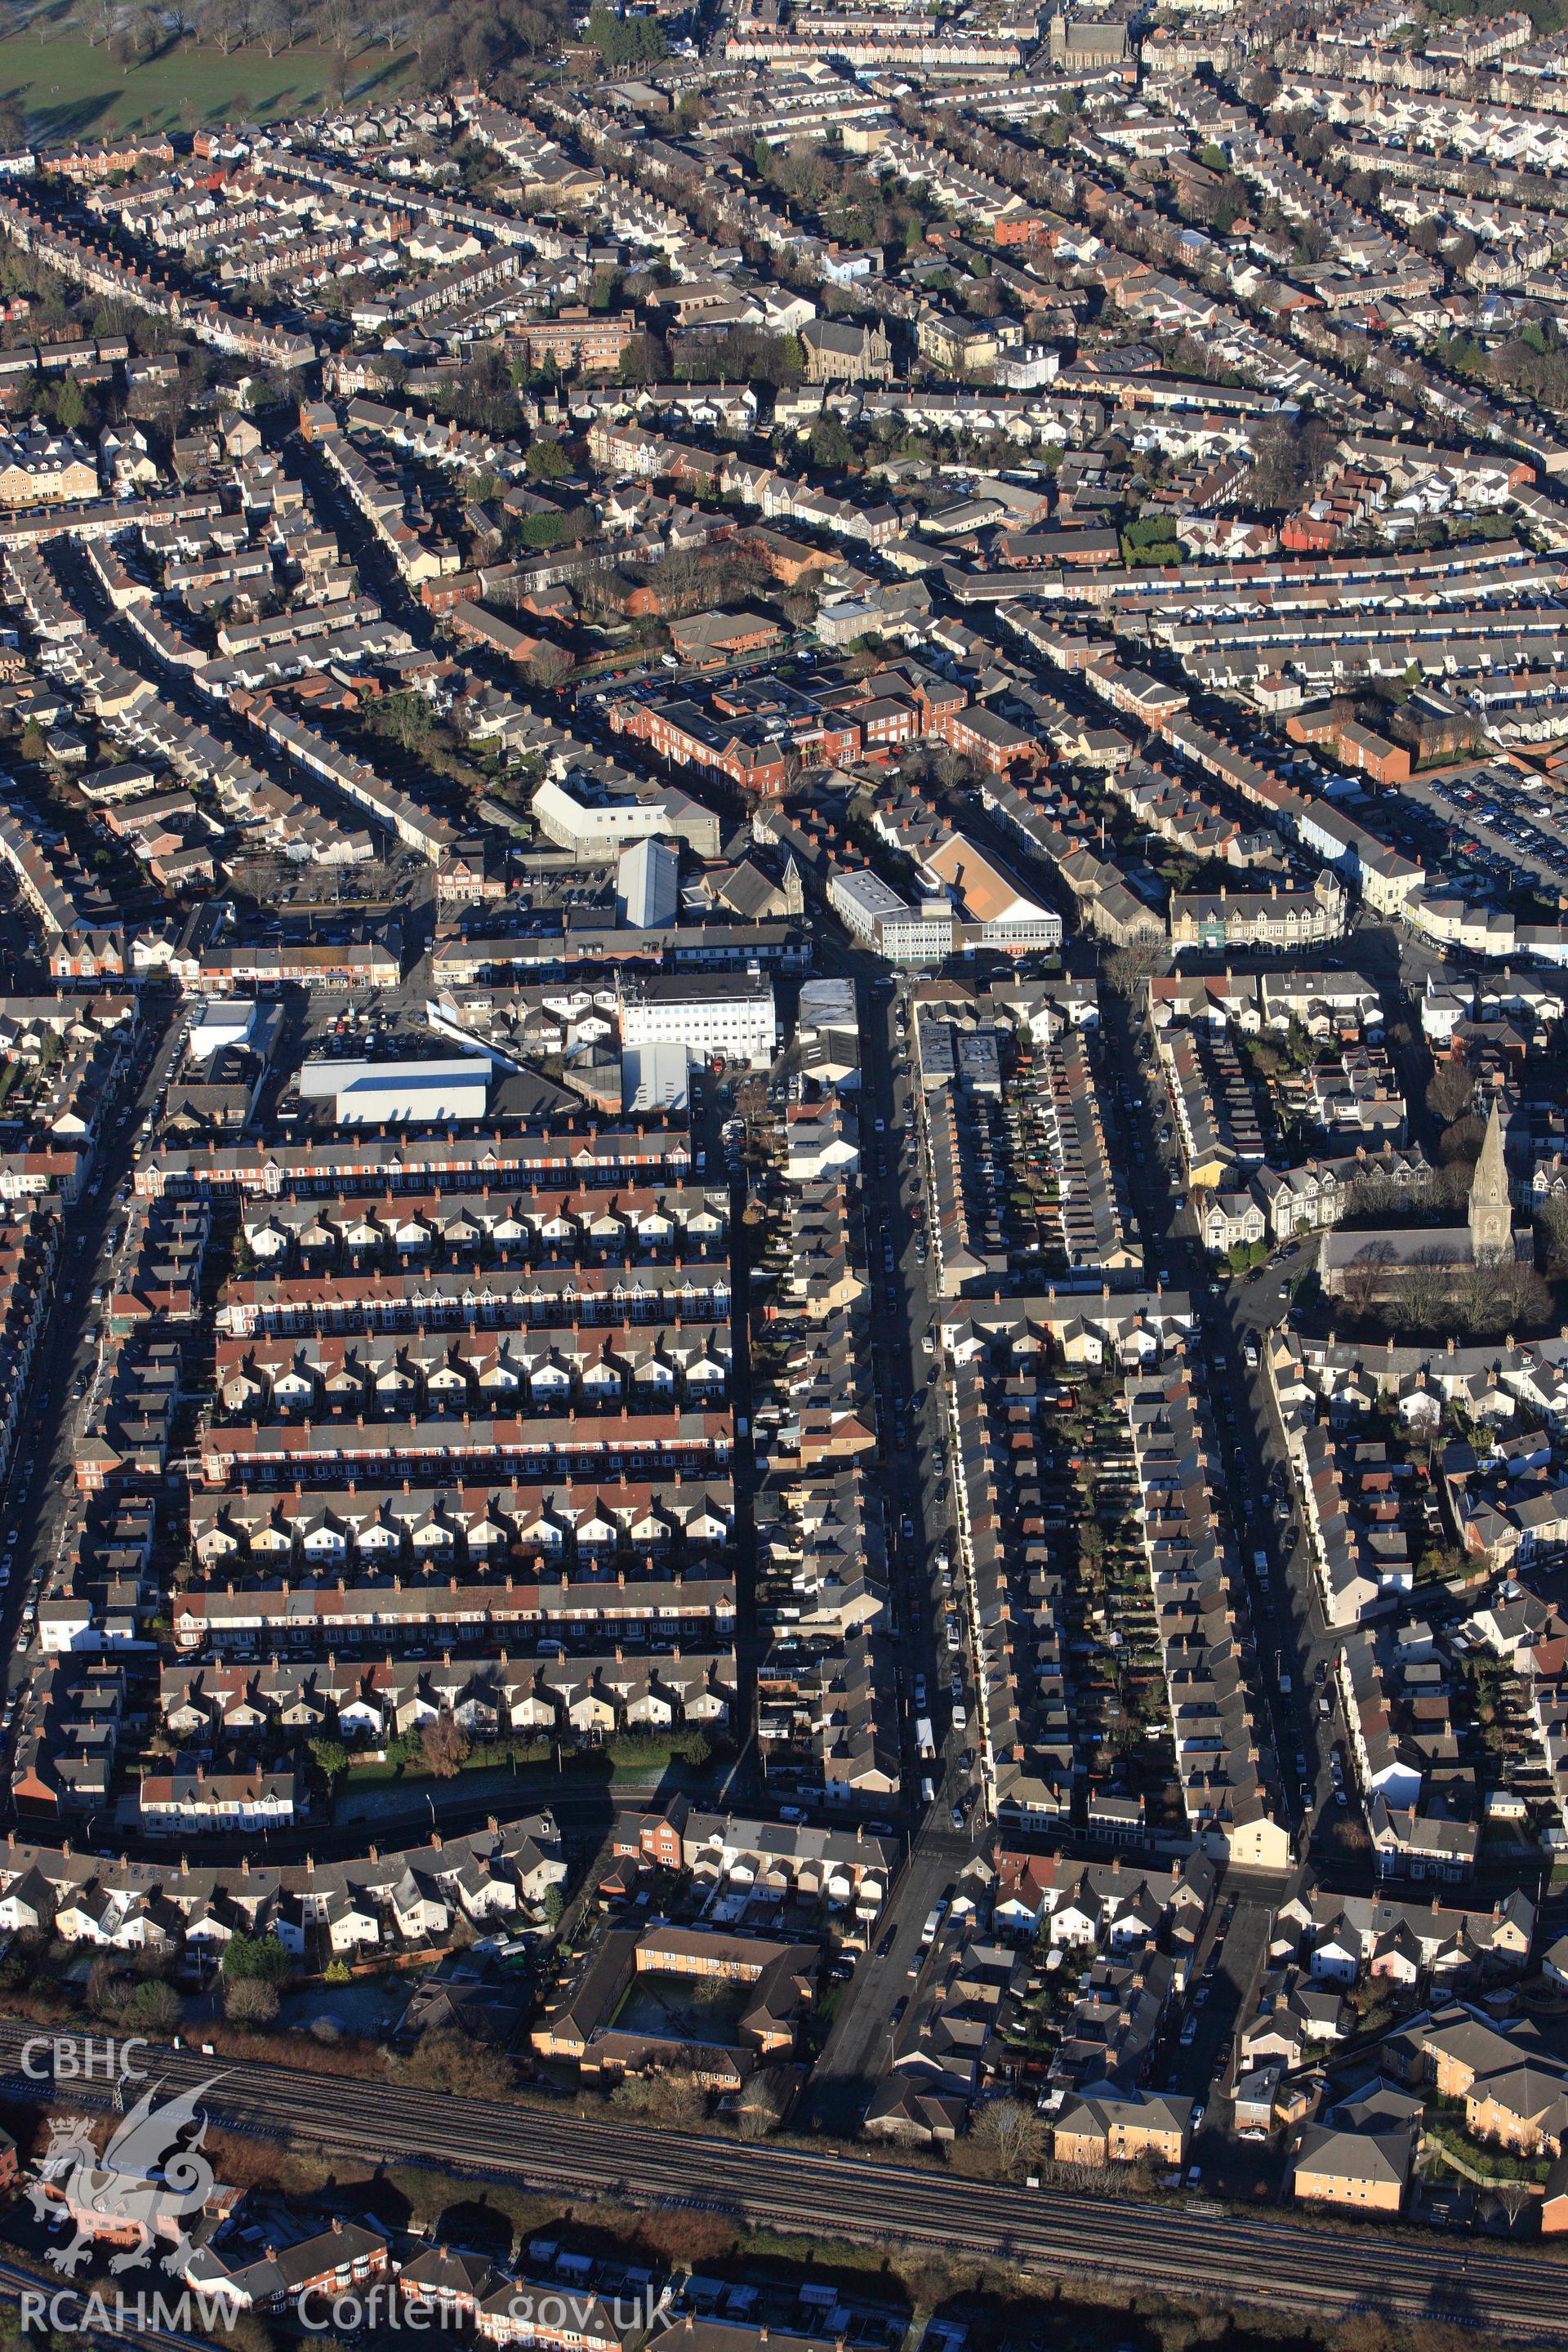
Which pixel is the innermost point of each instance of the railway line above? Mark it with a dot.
(1325, 2272)
(68, 2310)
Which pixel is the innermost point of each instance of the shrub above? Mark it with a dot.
(251, 2001)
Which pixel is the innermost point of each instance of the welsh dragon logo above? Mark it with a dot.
(153, 2179)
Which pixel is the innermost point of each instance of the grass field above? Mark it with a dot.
(68, 90)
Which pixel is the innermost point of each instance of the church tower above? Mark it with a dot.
(1492, 1218)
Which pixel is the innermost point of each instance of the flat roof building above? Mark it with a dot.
(709, 1014)
(655, 1078)
(400, 1094)
(225, 1022)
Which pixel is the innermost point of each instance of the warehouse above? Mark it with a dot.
(400, 1094)
(647, 885)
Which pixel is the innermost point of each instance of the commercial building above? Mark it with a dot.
(647, 885)
(729, 1016)
(400, 1094)
(598, 817)
(873, 910)
(993, 907)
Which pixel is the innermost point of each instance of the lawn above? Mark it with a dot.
(682, 2007)
(66, 90)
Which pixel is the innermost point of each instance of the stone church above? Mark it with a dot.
(1390, 1251)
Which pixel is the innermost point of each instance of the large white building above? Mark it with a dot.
(400, 1094)
(227, 1021)
(997, 910)
(647, 885)
(710, 1013)
(872, 910)
(655, 1078)
(598, 816)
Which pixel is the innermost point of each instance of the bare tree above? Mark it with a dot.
(675, 2099)
(1554, 1222)
(446, 1745)
(338, 23)
(1498, 1296)
(1462, 1141)
(273, 23)
(1425, 1293)
(760, 2116)
(390, 21)
(1365, 1277)
(1288, 455)
(1513, 2196)
(1384, 1198)
(1450, 1092)
(225, 24)
(448, 2060)
(1128, 966)
(1003, 2137)
(549, 666)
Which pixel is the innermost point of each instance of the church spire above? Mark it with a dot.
(1492, 1218)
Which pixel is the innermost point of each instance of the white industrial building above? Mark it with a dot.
(598, 816)
(226, 1021)
(655, 1078)
(401, 1094)
(710, 1013)
(647, 885)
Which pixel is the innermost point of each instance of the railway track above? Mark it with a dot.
(1322, 2271)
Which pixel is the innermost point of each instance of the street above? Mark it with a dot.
(39, 1491)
